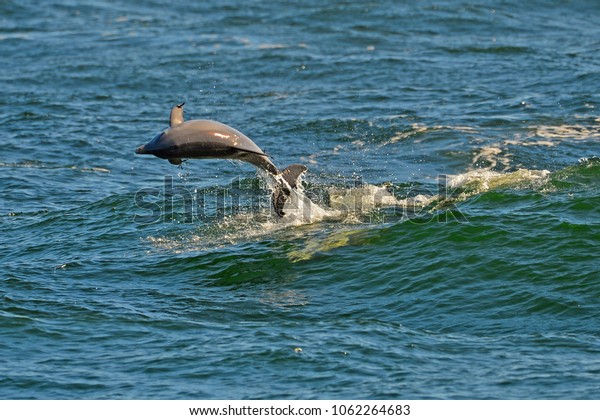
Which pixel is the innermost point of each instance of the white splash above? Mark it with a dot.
(298, 209)
(366, 198)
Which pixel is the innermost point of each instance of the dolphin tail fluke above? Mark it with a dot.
(282, 192)
(292, 173)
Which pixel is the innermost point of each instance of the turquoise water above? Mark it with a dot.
(451, 250)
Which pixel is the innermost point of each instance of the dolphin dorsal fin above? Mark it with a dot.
(177, 114)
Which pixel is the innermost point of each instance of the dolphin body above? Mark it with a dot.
(205, 139)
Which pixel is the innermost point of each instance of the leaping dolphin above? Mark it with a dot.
(205, 139)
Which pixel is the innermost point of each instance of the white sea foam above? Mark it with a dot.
(492, 154)
(566, 132)
(418, 128)
(481, 180)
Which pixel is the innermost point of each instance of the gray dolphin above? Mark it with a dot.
(205, 139)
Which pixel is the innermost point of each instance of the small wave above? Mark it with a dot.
(19, 35)
(529, 143)
(494, 155)
(418, 129)
(499, 155)
(584, 174)
(481, 180)
(593, 161)
(566, 132)
(496, 49)
(40, 165)
(272, 46)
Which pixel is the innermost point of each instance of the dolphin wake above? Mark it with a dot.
(345, 210)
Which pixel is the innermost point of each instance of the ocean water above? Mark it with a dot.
(445, 243)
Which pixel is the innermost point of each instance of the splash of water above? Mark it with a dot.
(298, 209)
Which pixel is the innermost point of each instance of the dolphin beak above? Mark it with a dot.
(141, 150)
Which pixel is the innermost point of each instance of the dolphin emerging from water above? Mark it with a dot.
(205, 139)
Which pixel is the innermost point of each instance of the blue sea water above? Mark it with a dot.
(451, 251)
